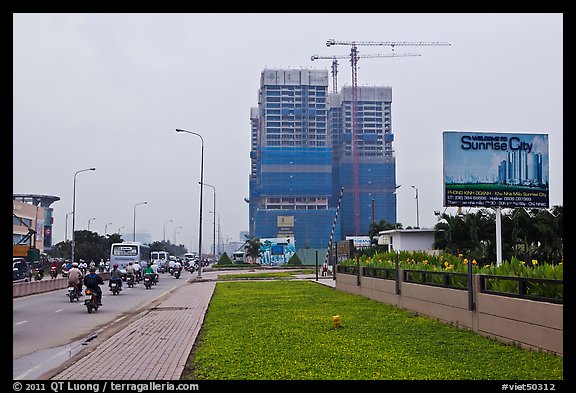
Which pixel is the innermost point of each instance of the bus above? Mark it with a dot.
(160, 257)
(123, 253)
(238, 257)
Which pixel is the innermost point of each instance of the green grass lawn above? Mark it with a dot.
(282, 330)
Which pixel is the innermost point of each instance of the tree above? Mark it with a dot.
(252, 248)
(294, 260)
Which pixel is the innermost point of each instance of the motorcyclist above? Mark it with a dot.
(137, 271)
(75, 278)
(115, 275)
(148, 271)
(155, 276)
(54, 266)
(130, 270)
(93, 281)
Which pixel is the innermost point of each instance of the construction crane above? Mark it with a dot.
(354, 56)
(335, 63)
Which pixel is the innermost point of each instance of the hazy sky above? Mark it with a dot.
(109, 90)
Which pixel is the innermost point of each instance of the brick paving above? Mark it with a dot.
(155, 346)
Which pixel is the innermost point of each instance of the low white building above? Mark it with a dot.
(408, 239)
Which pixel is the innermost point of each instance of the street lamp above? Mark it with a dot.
(134, 231)
(106, 228)
(120, 230)
(175, 231)
(66, 228)
(92, 219)
(74, 208)
(417, 215)
(213, 219)
(165, 222)
(201, 191)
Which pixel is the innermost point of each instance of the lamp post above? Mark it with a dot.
(106, 228)
(218, 250)
(165, 222)
(66, 228)
(213, 219)
(134, 231)
(120, 230)
(92, 219)
(74, 208)
(201, 191)
(396, 223)
(176, 231)
(417, 215)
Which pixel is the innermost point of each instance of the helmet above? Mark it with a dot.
(75, 264)
(115, 266)
(92, 269)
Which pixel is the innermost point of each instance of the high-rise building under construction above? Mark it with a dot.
(301, 158)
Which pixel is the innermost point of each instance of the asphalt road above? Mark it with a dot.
(48, 329)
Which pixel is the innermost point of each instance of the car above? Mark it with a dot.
(21, 269)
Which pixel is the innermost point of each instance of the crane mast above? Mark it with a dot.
(354, 56)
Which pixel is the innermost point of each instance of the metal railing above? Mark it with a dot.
(438, 279)
(539, 289)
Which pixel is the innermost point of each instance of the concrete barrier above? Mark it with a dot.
(45, 285)
(529, 323)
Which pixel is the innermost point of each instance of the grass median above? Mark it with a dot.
(284, 330)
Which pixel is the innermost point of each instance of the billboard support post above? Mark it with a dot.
(498, 236)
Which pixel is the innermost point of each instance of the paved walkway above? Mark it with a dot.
(157, 343)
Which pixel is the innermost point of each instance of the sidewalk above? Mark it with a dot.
(156, 345)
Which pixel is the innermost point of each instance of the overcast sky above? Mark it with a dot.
(109, 90)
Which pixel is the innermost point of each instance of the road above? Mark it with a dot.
(48, 329)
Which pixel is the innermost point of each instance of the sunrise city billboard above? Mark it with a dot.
(493, 169)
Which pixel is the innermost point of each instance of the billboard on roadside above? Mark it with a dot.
(492, 169)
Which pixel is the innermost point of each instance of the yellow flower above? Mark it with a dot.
(474, 262)
(534, 262)
(522, 263)
(425, 261)
(446, 264)
(465, 261)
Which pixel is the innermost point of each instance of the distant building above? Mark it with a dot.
(376, 160)
(291, 170)
(407, 239)
(301, 159)
(33, 211)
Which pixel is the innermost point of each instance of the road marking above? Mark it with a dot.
(19, 323)
(59, 310)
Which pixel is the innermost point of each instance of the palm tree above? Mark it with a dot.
(252, 248)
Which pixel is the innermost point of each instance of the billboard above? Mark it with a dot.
(491, 169)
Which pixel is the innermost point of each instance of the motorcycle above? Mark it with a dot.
(147, 281)
(64, 272)
(38, 273)
(130, 280)
(73, 293)
(91, 301)
(114, 287)
(177, 272)
(53, 272)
